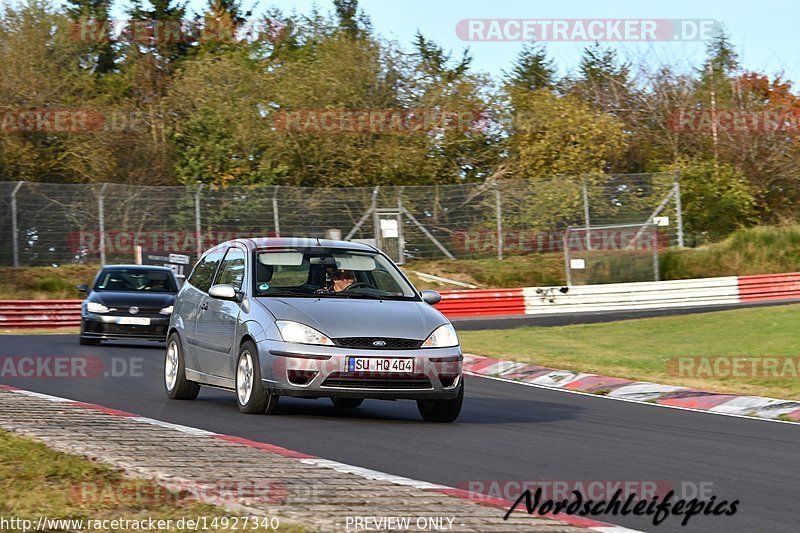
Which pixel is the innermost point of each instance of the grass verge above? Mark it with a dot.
(641, 349)
(36, 481)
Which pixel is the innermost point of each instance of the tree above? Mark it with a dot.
(716, 199)
(604, 81)
(41, 75)
(161, 30)
(352, 21)
(91, 18)
(532, 68)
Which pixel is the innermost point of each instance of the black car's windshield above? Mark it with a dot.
(329, 273)
(135, 280)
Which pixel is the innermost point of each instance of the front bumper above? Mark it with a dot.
(321, 371)
(105, 327)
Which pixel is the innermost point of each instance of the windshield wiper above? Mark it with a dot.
(286, 293)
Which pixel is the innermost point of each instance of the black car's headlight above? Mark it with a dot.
(96, 307)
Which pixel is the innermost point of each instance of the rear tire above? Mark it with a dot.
(175, 382)
(442, 410)
(251, 396)
(347, 403)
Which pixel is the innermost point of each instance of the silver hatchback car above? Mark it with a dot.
(311, 318)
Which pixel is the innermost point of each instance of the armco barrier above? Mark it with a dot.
(39, 313)
(634, 296)
(509, 302)
(622, 296)
(769, 287)
(482, 302)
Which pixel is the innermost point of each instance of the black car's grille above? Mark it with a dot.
(143, 311)
(383, 343)
(360, 381)
(126, 329)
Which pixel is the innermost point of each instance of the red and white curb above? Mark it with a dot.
(634, 391)
(575, 521)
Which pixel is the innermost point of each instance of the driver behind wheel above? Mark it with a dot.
(342, 279)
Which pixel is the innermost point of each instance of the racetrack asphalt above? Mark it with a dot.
(506, 432)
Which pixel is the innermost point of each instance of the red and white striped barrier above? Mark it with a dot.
(509, 302)
(39, 313)
(699, 292)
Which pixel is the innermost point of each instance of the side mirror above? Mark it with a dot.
(82, 287)
(431, 297)
(222, 291)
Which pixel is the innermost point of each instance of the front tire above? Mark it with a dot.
(178, 387)
(442, 410)
(347, 403)
(251, 396)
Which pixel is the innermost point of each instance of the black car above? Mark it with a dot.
(128, 302)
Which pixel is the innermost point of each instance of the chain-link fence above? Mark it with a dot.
(45, 223)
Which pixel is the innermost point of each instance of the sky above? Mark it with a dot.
(767, 40)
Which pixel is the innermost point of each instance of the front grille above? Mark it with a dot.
(143, 311)
(126, 329)
(368, 343)
(360, 381)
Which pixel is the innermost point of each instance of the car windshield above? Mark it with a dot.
(329, 273)
(135, 280)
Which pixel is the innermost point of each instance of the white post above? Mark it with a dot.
(101, 223)
(586, 218)
(499, 210)
(679, 207)
(275, 217)
(197, 226)
(14, 228)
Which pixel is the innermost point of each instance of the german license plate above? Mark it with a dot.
(133, 321)
(380, 364)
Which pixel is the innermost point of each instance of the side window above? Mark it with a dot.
(233, 268)
(203, 273)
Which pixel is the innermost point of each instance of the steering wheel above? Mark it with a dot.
(357, 285)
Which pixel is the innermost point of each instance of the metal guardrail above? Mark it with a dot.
(39, 313)
(482, 302)
(769, 287)
(509, 302)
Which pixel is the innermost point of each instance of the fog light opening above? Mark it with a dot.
(448, 380)
(301, 377)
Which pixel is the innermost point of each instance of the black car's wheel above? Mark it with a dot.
(441, 410)
(84, 341)
(348, 403)
(178, 387)
(251, 396)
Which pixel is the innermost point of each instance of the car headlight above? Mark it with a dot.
(301, 334)
(95, 307)
(166, 311)
(442, 337)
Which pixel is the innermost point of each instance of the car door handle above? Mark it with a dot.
(204, 306)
